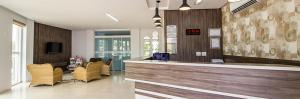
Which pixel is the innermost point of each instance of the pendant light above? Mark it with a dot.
(156, 16)
(184, 6)
(157, 22)
(234, 0)
(158, 26)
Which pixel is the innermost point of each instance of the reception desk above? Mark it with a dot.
(181, 80)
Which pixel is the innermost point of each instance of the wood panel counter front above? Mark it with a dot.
(180, 80)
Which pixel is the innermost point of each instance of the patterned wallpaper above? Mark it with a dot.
(269, 29)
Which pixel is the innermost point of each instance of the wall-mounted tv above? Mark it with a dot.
(54, 47)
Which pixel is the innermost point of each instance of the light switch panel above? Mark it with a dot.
(198, 54)
(203, 53)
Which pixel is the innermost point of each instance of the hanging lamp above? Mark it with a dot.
(184, 6)
(156, 16)
(158, 26)
(157, 22)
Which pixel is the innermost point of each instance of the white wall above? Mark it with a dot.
(6, 22)
(135, 43)
(90, 45)
(83, 42)
(29, 46)
(79, 43)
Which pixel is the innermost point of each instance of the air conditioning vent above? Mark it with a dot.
(241, 5)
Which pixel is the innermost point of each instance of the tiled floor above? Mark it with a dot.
(112, 87)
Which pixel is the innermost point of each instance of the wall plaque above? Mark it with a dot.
(192, 31)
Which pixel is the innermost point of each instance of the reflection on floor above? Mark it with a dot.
(112, 87)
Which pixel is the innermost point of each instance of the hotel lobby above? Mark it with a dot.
(150, 49)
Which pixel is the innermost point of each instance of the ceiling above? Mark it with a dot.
(90, 14)
(174, 4)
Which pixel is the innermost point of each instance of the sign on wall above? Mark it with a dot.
(215, 36)
(192, 31)
(172, 39)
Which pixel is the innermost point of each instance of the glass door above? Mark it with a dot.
(126, 50)
(116, 47)
(17, 31)
(117, 54)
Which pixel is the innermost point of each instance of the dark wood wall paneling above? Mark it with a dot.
(188, 45)
(45, 33)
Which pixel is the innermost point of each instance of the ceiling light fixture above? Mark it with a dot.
(156, 16)
(157, 22)
(234, 0)
(158, 26)
(198, 2)
(112, 17)
(184, 6)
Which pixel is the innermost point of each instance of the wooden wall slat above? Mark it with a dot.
(45, 33)
(188, 45)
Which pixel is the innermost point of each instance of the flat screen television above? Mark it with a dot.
(54, 47)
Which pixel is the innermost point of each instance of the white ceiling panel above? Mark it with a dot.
(90, 14)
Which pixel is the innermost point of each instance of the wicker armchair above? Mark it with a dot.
(95, 59)
(44, 74)
(90, 72)
(105, 68)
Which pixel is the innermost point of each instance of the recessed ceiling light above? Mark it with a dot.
(112, 17)
(198, 2)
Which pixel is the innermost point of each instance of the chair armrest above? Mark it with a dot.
(58, 71)
(80, 73)
(106, 65)
(79, 70)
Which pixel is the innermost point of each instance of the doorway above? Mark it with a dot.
(114, 45)
(17, 70)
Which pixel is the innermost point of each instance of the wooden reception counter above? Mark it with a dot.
(180, 80)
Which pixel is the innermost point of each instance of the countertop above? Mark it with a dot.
(225, 65)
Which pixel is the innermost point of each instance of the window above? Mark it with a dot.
(151, 44)
(147, 46)
(17, 70)
(155, 42)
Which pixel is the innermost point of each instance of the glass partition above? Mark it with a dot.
(108, 44)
